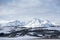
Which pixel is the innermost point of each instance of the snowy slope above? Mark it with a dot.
(20, 38)
(39, 23)
(11, 26)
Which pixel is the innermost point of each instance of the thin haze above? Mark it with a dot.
(27, 9)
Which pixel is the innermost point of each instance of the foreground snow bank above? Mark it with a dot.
(18, 38)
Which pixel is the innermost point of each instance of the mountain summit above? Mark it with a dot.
(39, 23)
(14, 23)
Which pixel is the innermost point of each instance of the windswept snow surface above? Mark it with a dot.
(39, 23)
(19, 38)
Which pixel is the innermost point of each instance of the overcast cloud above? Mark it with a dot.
(26, 9)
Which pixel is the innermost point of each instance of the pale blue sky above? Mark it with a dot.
(26, 9)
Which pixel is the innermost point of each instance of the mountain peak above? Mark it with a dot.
(14, 23)
(39, 23)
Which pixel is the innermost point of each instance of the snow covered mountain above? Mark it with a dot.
(14, 23)
(11, 26)
(18, 28)
(39, 23)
